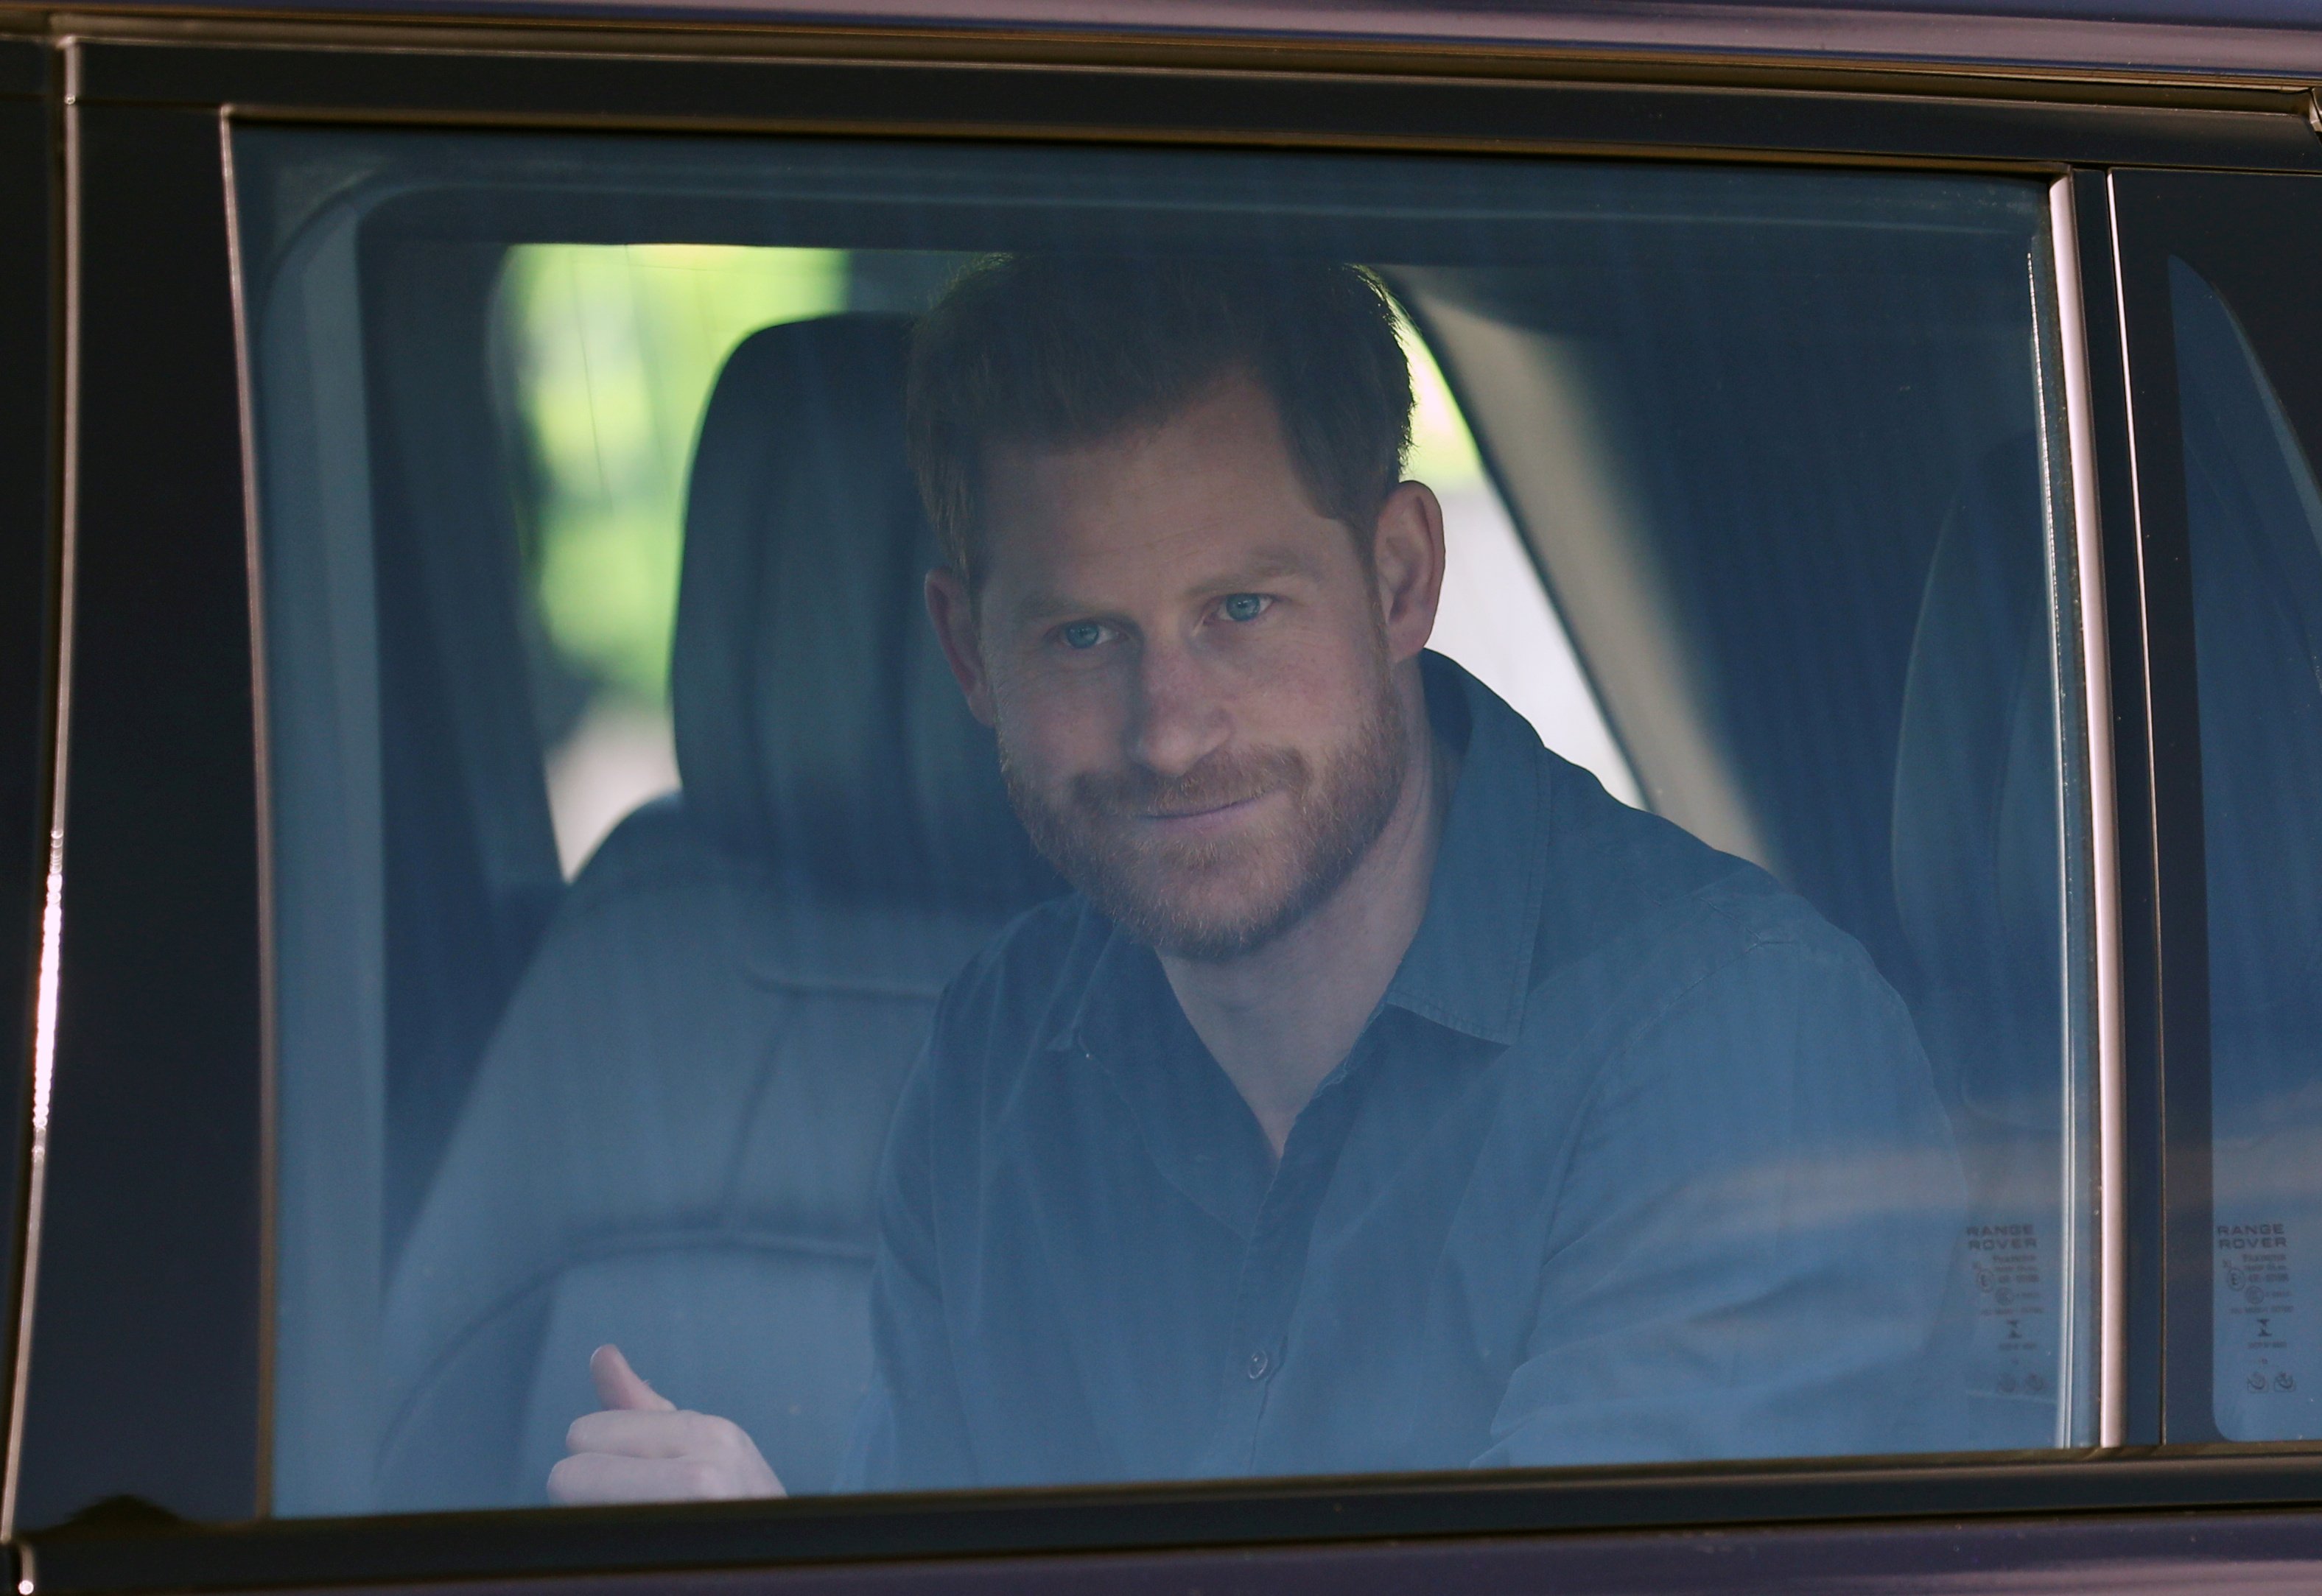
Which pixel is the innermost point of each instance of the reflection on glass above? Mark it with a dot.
(617, 347)
(1140, 1001)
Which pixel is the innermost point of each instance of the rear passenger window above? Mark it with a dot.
(2254, 518)
(951, 817)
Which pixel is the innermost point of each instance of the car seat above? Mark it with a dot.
(673, 1138)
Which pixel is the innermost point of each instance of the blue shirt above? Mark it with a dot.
(1638, 1159)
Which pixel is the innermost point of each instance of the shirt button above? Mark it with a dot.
(1257, 1365)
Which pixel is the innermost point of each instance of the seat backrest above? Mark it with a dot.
(1979, 892)
(672, 1139)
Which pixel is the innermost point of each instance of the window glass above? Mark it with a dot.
(897, 792)
(2255, 520)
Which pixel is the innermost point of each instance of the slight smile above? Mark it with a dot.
(1200, 822)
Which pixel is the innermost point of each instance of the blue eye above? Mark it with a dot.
(1245, 607)
(1083, 635)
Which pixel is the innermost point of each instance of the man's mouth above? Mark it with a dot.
(1202, 818)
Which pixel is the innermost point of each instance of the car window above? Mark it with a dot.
(2254, 522)
(1557, 938)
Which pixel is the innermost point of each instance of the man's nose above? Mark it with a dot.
(1178, 718)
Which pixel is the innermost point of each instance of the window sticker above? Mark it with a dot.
(2014, 1312)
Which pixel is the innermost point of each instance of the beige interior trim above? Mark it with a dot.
(1526, 397)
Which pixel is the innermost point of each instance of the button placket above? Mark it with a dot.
(1273, 1260)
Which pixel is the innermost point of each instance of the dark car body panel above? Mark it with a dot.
(2249, 39)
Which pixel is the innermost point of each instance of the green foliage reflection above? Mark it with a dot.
(615, 349)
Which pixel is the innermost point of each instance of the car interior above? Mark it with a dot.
(1793, 506)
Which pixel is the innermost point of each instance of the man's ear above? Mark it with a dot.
(1407, 557)
(954, 614)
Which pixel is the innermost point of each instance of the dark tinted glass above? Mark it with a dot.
(2255, 522)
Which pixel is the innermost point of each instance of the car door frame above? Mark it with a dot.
(31, 320)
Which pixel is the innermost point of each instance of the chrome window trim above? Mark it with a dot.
(47, 980)
(253, 555)
(2096, 699)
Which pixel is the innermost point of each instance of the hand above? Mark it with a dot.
(643, 1448)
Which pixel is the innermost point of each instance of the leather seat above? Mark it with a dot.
(672, 1139)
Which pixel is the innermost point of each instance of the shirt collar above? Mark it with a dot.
(1469, 967)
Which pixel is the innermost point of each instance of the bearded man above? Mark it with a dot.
(1386, 1096)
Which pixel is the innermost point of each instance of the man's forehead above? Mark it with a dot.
(1207, 493)
(1232, 418)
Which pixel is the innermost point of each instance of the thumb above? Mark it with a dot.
(620, 1386)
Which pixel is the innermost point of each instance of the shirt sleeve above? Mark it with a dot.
(910, 1433)
(1752, 1253)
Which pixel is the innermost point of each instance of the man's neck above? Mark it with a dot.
(1279, 1020)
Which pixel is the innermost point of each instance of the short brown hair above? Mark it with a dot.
(1058, 351)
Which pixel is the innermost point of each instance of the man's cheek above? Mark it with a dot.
(1055, 733)
(1037, 771)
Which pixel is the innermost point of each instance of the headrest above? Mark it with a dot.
(817, 729)
(1975, 820)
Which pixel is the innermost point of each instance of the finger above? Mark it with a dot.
(595, 1478)
(633, 1433)
(620, 1386)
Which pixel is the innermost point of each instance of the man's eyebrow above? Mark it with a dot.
(1046, 603)
(1264, 567)
(1043, 604)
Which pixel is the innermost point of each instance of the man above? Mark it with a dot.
(1387, 1096)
